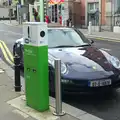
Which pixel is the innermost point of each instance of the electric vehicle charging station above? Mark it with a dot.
(35, 36)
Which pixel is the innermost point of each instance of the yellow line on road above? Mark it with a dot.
(104, 39)
(7, 50)
(5, 55)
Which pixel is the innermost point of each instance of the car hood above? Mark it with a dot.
(83, 62)
(86, 59)
(82, 59)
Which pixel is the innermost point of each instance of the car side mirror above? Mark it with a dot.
(91, 41)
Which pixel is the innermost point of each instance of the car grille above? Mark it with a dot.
(80, 82)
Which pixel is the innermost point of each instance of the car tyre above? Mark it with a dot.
(51, 85)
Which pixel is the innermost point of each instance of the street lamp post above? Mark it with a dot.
(111, 15)
(9, 3)
(100, 14)
(41, 11)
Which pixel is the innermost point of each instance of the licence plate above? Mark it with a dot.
(98, 83)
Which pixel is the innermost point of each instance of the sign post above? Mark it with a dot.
(41, 11)
(36, 65)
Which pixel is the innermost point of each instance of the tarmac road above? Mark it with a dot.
(106, 106)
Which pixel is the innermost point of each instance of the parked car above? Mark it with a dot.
(84, 68)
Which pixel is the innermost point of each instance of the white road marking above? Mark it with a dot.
(1, 71)
(106, 49)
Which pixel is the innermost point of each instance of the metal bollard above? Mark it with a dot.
(90, 28)
(17, 74)
(58, 111)
(20, 20)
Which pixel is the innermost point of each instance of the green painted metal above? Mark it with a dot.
(36, 77)
(41, 11)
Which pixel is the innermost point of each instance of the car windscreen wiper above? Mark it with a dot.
(62, 46)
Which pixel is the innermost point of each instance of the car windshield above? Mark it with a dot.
(66, 38)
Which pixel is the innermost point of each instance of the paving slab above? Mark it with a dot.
(14, 104)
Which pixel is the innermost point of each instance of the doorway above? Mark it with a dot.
(54, 13)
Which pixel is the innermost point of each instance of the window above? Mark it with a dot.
(67, 37)
(96, 5)
(108, 0)
(91, 6)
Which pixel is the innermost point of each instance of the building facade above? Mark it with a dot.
(95, 12)
(82, 11)
(65, 9)
(102, 12)
(113, 14)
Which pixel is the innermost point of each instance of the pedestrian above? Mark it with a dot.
(69, 22)
(36, 16)
(60, 20)
(47, 20)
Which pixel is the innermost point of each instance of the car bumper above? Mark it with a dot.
(82, 87)
(77, 89)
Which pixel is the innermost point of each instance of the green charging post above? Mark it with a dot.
(35, 36)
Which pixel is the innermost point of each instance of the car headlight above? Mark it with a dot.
(115, 62)
(63, 66)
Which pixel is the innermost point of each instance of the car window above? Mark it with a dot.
(66, 37)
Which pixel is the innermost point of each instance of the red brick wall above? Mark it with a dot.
(82, 10)
(103, 12)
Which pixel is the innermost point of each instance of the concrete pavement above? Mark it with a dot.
(107, 106)
(11, 23)
(103, 35)
(7, 112)
(97, 35)
(97, 105)
(14, 105)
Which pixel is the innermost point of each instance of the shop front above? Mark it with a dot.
(55, 10)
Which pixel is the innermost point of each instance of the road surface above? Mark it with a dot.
(106, 106)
